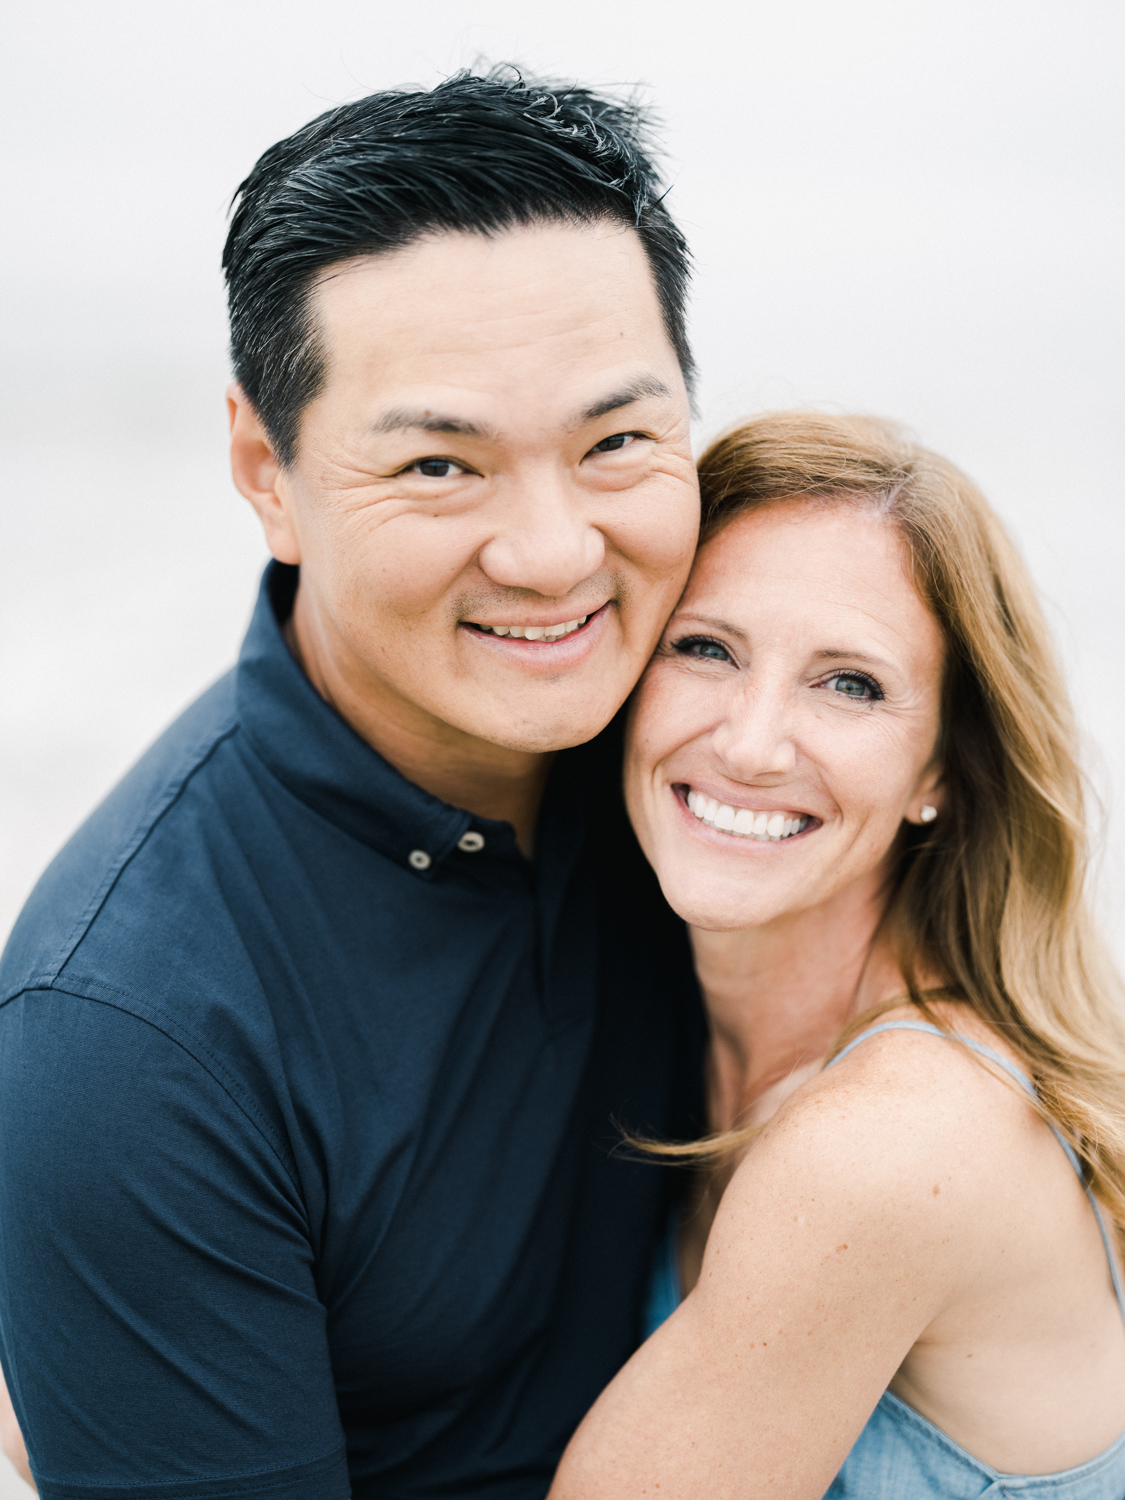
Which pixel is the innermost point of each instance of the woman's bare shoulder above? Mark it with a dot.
(914, 1067)
(903, 1119)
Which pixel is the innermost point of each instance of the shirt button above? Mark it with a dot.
(419, 859)
(471, 843)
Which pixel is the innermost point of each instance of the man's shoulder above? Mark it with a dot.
(80, 880)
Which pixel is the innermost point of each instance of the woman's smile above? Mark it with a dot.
(762, 824)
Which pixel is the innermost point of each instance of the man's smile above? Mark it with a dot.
(538, 635)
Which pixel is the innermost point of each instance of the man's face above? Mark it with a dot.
(500, 449)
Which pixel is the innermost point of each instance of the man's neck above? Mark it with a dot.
(488, 780)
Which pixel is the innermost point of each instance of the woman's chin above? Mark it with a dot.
(707, 905)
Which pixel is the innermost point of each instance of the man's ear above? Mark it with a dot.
(928, 801)
(256, 473)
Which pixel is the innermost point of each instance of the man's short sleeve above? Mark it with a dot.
(161, 1332)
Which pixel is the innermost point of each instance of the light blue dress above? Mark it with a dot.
(899, 1455)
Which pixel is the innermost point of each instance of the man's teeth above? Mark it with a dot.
(770, 827)
(535, 632)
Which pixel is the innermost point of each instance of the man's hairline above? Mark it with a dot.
(432, 233)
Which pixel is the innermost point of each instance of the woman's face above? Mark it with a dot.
(788, 722)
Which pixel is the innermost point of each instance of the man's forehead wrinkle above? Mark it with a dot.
(467, 335)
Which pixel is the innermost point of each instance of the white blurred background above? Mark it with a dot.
(903, 207)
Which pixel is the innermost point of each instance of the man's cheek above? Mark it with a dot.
(660, 539)
(410, 587)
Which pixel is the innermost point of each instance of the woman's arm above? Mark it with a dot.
(848, 1228)
(11, 1438)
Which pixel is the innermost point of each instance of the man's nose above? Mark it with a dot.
(757, 736)
(545, 541)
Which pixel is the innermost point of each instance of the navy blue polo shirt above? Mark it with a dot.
(309, 1089)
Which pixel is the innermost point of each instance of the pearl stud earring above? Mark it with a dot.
(928, 813)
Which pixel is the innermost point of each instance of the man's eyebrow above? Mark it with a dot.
(644, 385)
(402, 419)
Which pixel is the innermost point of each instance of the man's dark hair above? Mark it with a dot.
(476, 153)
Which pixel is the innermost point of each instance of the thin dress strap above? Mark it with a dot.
(1026, 1084)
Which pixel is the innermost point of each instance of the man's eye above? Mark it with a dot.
(855, 685)
(702, 648)
(615, 443)
(436, 468)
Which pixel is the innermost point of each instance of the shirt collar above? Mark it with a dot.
(320, 759)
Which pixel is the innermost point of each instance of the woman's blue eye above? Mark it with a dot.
(700, 647)
(615, 443)
(436, 468)
(855, 685)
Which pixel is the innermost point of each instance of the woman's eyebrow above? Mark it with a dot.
(863, 656)
(714, 624)
(829, 654)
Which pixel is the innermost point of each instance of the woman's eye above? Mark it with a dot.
(702, 648)
(436, 468)
(615, 443)
(855, 685)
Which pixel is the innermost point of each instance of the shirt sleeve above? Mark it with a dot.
(159, 1323)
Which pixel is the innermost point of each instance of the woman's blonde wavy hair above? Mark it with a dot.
(991, 896)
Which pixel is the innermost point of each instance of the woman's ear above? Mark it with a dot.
(256, 473)
(928, 801)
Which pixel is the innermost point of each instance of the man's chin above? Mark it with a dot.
(548, 742)
(528, 734)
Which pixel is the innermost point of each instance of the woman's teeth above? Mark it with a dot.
(771, 827)
(535, 632)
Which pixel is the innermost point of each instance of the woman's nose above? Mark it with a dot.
(756, 736)
(545, 543)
